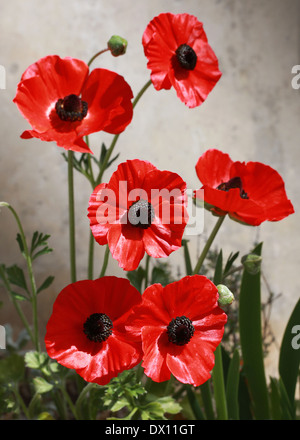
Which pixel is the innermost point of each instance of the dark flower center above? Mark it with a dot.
(235, 182)
(180, 330)
(186, 57)
(71, 108)
(98, 327)
(141, 213)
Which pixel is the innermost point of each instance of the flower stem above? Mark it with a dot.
(219, 387)
(194, 404)
(96, 55)
(33, 296)
(208, 244)
(105, 262)
(71, 217)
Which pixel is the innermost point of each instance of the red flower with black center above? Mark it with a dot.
(86, 330)
(179, 55)
(141, 209)
(63, 101)
(180, 326)
(250, 192)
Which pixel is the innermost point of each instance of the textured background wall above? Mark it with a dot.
(253, 114)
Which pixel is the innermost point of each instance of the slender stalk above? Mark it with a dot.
(91, 257)
(194, 404)
(21, 402)
(147, 270)
(219, 387)
(27, 256)
(71, 217)
(81, 398)
(207, 400)
(96, 55)
(105, 262)
(69, 401)
(208, 244)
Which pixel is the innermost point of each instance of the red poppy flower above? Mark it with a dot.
(179, 55)
(63, 102)
(180, 325)
(86, 330)
(141, 209)
(248, 192)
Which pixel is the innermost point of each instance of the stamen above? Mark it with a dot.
(235, 182)
(141, 214)
(186, 57)
(71, 108)
(180, 330)
(98, 327)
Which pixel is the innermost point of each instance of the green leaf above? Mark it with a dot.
(45, 250)
(35, 359)
(289, 357)
(136, 278)
(251, 340)
(232, 386)
(218, 269)
(41, 385)
(20, 243)
(16, 276)
(48, 281)
(12, 369)
(229, 263)
(19, 296)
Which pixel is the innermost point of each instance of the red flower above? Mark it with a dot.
(248, 192)
(179, 55)
(140, 210)
(63, 102)
(180, 326)
(86, 330)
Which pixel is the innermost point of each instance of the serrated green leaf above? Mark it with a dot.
(45, 250)
(41, 385)
(20, 243)
(16, 276)
(12, 369)
(35, 359)
(48, 281)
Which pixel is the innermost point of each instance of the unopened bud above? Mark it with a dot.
(252, 263)
(225, 295)
(117, 45)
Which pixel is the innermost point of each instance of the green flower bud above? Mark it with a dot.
(225, 295)
(117, 45)
(252, 263)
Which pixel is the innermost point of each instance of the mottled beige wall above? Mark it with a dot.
(253, 114)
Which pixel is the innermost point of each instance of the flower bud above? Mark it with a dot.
(117, 45)
(225, 295)
(252, 263)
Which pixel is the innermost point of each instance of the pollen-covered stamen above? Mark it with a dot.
(235, 182)
(141, 214)
(180, 330)
(71, 108)
(186, 57)
(98, 327)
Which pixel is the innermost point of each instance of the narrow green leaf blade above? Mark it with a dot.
(289, 357)
(232, 386)
(251, 340)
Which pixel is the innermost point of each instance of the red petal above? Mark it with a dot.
(126, 245)
(109, 103)
(154, 354)
(213, 168)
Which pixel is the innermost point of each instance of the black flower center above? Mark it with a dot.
(98, 327)
(141, 213)
(71, 108)
(235, 182)
(186, 57)
(180, 330)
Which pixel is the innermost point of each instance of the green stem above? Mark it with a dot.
(81, 398)
(91, 257)
(208, 244)
(71, 217)
(96, 55)
(147, 270)
(31, 275)
(207, 400)
(219, 387)
(105, 262)
(21, 402)
(69, 401)
(194, 403)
